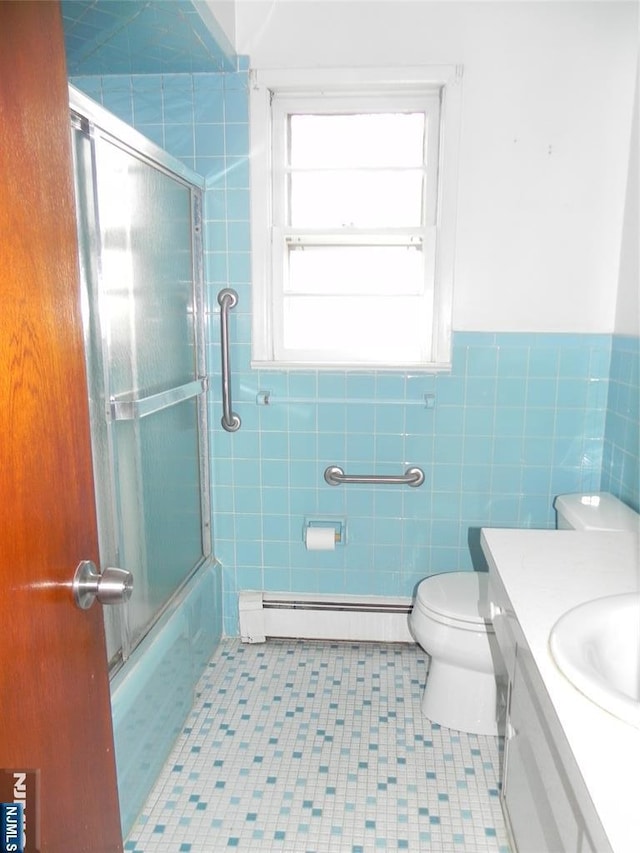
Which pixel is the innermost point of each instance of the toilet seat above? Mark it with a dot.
(459, 599)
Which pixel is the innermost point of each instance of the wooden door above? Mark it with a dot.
(55, 715)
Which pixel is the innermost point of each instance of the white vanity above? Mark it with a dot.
(571, 774)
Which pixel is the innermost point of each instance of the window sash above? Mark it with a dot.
(285, 240)
(283, 105)
(414, 298)
(315, 90)
(407, 316)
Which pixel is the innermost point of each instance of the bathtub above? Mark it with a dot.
(153, 693)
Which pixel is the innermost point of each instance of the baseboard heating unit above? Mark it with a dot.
(323, 617)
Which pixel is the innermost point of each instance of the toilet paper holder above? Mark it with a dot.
(339, 526)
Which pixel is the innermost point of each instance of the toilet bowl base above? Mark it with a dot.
(463, 699)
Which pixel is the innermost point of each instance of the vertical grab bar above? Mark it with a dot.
(227, 299)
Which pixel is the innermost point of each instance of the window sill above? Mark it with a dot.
(427, 368)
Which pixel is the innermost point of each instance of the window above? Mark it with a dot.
(352, 218)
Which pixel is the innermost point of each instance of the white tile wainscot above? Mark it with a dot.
(541, 574)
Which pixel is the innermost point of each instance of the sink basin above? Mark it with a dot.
(597, 647)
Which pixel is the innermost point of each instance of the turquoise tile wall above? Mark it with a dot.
(520, 419)
(201, 119)
(621, 463)
(143, 37)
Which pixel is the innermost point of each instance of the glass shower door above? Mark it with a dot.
(140, 225)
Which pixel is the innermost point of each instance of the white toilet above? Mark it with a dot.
(450, 620)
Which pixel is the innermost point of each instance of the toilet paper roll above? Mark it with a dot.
(320, 538)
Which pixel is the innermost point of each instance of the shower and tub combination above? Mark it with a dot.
(140, 244)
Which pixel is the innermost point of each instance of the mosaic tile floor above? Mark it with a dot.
(299, 746)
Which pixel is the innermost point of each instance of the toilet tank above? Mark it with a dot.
(597, 511)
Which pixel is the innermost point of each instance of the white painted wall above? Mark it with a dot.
(548, 90)
(628, 308)
(224, 16)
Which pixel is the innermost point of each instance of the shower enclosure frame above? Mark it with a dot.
(94, 124)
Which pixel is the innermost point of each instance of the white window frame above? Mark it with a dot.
(443, 82)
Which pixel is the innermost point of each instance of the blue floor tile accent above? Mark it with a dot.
(320, 747)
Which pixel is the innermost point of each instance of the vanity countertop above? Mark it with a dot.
(545, 573)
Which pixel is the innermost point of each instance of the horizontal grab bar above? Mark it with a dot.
(335, 476)
(130, 410)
